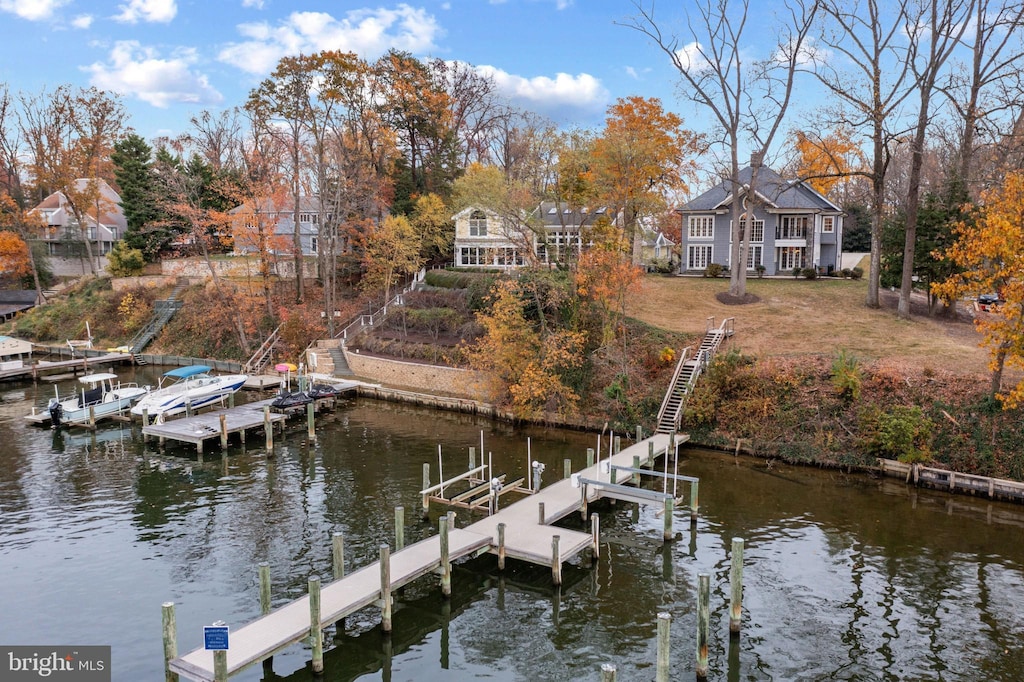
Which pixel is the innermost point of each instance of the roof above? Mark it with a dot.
(775, 191)
(111, 213)
(10, 345)
(561, 214)
(184, 372)
(307, 204)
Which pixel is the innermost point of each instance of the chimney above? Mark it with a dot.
(756, 159)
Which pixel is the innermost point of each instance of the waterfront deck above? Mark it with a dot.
(527, 537)
(45, 367)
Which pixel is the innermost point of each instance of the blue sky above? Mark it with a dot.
(169, 59)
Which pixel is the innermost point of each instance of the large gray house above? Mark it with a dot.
(793, 226)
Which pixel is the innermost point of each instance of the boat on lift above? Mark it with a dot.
(191, 388)
(101, 395)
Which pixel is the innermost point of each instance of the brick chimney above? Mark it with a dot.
(756, 159)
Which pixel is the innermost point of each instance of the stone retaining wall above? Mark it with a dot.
(434, 379)
(239, 266)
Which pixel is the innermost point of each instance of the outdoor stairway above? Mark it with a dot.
(341, 368)
(688, 370)
(163, 311)
(263, 355)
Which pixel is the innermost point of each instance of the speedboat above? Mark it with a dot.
(193, 387)
(99, 397)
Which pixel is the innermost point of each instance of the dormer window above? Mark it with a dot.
(477, 224)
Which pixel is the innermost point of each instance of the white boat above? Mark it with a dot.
(194, 388)
(102, 395)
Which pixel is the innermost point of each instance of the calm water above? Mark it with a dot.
(847, 578)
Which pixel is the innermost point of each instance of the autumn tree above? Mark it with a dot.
(514, 204)
(432, 225)
(391, 253)
(526, 369)
(826, 159)
(988, 249)
(15, 255)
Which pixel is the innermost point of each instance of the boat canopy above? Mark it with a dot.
(185, 372)
(96, 378)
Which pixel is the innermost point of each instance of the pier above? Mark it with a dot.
(523, 530)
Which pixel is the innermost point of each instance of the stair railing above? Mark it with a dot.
(672, 385)
(262, 355)
(373, 319)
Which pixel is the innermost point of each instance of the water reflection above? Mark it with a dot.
(846, 577)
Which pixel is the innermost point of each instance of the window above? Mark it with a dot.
(757, 233)
(472, 255)
(789, 257)
(314, 244)
(828, 223)
(698, 257)
(477, 224)
(700, 226)
(792, 227)
(755, 256)
(509, 256)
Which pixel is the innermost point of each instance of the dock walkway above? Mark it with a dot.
(527, 537)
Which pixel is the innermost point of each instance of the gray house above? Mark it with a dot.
(279, 223)
(793, 226)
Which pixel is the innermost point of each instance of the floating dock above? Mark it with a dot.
(521, 530)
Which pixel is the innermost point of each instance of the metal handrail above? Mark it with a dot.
(376, 318)
(259, 359)
(672, 384)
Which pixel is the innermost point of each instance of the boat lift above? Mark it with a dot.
(485, 490)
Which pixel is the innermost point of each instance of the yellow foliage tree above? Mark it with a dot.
(990, 250)
(825, 160)
(606, 276)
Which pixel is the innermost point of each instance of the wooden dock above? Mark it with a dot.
(45, 367)
(527, 536)
(954, 482)
(205, 426)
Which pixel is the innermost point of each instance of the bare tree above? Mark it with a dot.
(748, 103)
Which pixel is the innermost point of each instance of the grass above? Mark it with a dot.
(800, 317)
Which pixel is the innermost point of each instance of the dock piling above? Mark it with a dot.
(694, 502)
(703, 623)
(385, 588)
(268, 429)
(595, 534)
(220, 666)
(501, 546)
(426, 484)
(316, 633)
(607, 672)
(566, 468)
(446, 566)
(540, 513)
(399, 528)
(311, 422)
(264, 568)
(223, 432)
(472, 458)
(736, 587)
(636, 465)
(664, 647)
(170, 628)
(338, 555)
(590, 457)
(670, 506)
(556, 561)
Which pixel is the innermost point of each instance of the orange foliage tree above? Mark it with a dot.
(14, 260)
(607, 277)
(825, 160)
(988, 249)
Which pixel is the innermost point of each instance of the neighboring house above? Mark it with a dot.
(793, 226)
(280, 218)
(485, 239)
(657, 248)
(14, 301)
(62, 234)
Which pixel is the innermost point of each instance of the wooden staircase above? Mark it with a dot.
(688, 370)
(162, 313)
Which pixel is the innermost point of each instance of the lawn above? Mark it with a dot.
(801, 317)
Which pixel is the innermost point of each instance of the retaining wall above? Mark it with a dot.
(434, 379)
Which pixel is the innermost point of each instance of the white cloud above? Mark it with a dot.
(563, 97)
(808, 55)
(258, 4)
(157, 11)
(140, 72)
(33, 10)
(691, 59)
(367, 32)
(563, 4)
(82, 21)
(636, 74)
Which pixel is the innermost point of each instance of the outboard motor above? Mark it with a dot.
(56, 413)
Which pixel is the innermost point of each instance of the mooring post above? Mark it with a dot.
(472, 459)
(540, 513)
(664, 646)
(220, 666)
(231, 400)
(556, 561)
(639, 433)
(310, 422)
(618, 444)
(650, 453)
(188, 407)
(264, 569)
(338, 555)
(670, 506)
(170, 640)
(694, 502)
(426, 484)
(703, 623)
(316, 633)
(595, 537)
(92, 416)
(636, 465)
(385, 588)
(399, 528)
(446, 566)
(223, 432)
(607, 672)
(501, 546)
(590, 457)
(566, 468)
(268, 429)
(736, 587)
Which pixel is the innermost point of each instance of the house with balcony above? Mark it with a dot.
(550, 235)
(792, 226)
(104, 220)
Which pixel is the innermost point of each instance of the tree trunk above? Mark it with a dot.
(913, 204)
(877, 215)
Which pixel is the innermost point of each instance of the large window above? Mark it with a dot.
(314, 244)
(792, 227)
(828, 223)
(477, 224)
(698, 257)
(755, 256)
(789, 257)
(473, 255)
(757, 230)
(700, 226)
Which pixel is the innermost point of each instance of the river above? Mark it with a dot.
(846, 577)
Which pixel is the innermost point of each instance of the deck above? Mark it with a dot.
(527, 537)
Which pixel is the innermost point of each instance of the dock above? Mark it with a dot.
(45, 367)
(523, 534)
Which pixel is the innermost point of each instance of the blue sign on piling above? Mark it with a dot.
(215, 637)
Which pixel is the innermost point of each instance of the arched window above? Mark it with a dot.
(477, 224)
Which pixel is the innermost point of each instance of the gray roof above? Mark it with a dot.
(791, 195)
(560, 214)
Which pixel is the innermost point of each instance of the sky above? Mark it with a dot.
(170, 59)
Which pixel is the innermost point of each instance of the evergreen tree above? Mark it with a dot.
(133, 169)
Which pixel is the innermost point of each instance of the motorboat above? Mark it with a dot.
(187, 388)
(322, 391)
(101, 395)
(287, 400)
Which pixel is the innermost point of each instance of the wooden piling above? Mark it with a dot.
(338, 555)
(556, 561)
(590, 457)
(694, 502)
(472, 458)
(264, 568)
(92, 416)
(639, 433)
(446, 565)
(501, 546)
(595, 537)
(618, 444)
(670, 506)
(566, 468)
(231, 400)
(268, 429)
(650, 453)
(188, 407)
(310, 422)
(636, 465)
(385, 588)
(703, 623)
(170, 628)
(220, 666)
(607, 672)
(316, 633)
(736, 587)
(426, 484)
(540, 513)
(399, 528)
(223, 432)
(664, 645)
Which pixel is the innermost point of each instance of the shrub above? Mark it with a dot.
(124, 261)
(809, 273)
(846, 273)
(846, 376)
(902, 433)
(714, 270)
(857, 273)
(760, 271)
